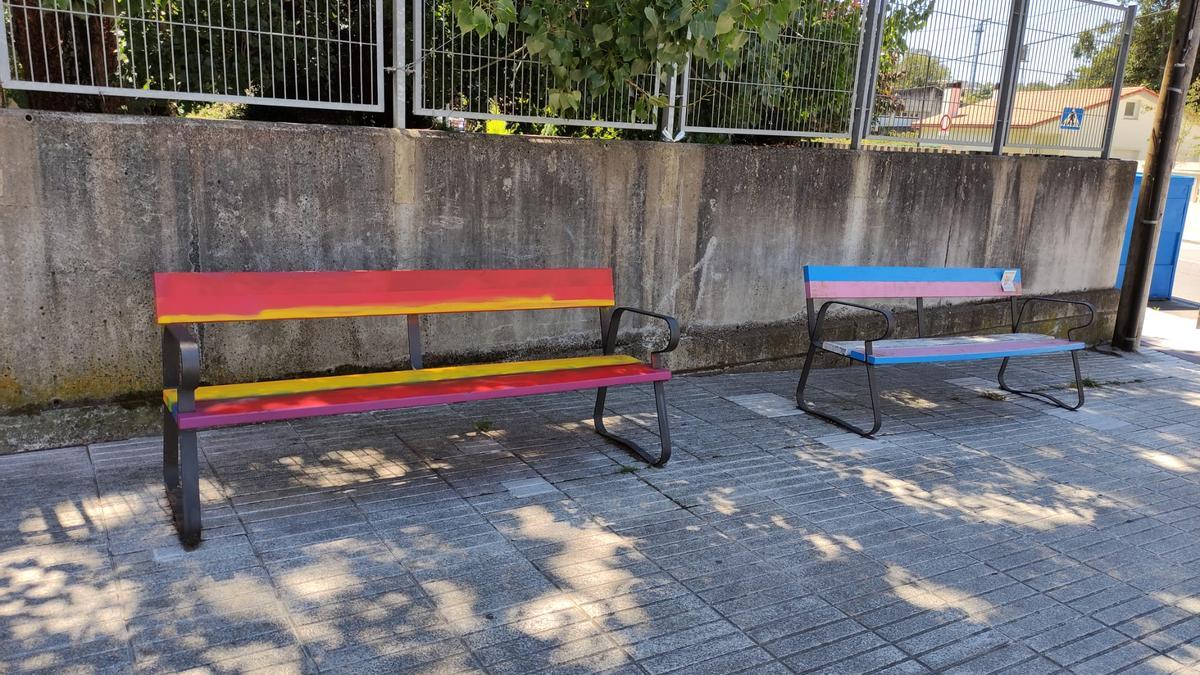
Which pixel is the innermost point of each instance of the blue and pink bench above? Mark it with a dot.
(832, 286)
(188, 298)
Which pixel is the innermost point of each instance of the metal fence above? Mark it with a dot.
(944, 84)
(800, 84)
(463, 75)
(1067, 82)
(978, 74)
(299, 53)
(973, 74)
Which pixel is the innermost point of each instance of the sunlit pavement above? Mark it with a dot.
(975, 535)
(1187, 272)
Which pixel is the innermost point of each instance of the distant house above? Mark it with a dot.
(915, 104)
(1046, 119)
(921, 102)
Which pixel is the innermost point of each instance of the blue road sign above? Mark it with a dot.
(1072, 119)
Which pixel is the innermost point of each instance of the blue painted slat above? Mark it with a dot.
(950, 358)
(904, 274)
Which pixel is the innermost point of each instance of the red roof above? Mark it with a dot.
(1031, 108)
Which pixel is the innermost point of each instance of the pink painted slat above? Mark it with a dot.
(199, 420)
(998, 347)
(906, 289)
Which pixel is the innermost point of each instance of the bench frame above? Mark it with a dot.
(181, 371)
(816, 321)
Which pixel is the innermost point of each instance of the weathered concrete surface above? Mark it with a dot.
(974, 536)
(90, 206)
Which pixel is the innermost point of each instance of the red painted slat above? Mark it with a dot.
(362, 399)
(186, 297)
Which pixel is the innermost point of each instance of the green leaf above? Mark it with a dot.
(724, 23)
(652, 16)
(602, 32)
(483, 22)
(463, 15)
(506, 11)
(536, 43)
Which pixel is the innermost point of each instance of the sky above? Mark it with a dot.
(953, 35)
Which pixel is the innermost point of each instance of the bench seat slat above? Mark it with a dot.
(316, 384)
(947, 349)
(205, 297)
(314, 403)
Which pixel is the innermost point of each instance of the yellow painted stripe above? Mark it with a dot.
(311, 384)
(344, 311)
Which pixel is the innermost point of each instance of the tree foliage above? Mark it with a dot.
(1147, 53)
(919, 68)
(603, 45)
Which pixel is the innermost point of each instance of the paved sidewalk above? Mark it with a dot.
(976, 535)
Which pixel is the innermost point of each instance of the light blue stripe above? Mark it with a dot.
(858, 355)
(905, 274)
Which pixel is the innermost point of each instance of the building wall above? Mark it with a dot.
(1132, 136)
(90, 206)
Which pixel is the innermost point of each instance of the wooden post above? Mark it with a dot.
(1156, 179)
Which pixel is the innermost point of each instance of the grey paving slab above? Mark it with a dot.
(973, 535)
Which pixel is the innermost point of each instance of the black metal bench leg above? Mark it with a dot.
(1047, 397)
(871, 385)
(181, 476)
(170, 452)
(664, 430)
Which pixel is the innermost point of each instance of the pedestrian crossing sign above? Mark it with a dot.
(1072, 119)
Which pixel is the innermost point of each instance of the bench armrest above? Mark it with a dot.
(181, 364)
(1061, 301)
(888, 317)
(614, 325)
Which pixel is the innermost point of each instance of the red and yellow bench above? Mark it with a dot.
(205, 297)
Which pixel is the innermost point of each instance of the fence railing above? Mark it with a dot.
(973, 74)
(1082, 45)
(800, 84)
(947, 81)
(463, 75)
(299, 53)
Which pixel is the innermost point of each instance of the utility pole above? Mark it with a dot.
(1156, 178)
(978, 47)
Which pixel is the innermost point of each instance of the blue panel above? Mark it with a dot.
(1166, 257)
(904, 274)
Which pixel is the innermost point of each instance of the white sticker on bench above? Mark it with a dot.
(1009, 281)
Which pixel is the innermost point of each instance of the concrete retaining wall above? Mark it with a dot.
(90, 206)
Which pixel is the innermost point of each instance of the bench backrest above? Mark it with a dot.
(821, 281)
(203, 297)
